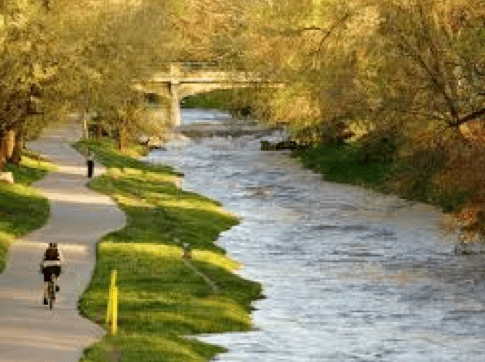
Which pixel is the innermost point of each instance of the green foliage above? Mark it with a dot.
(380, 145)
(345, 164)
(414, 177)
(160, 298)
(218, 99)
(239, 102)
(22, 210)
(450, 201)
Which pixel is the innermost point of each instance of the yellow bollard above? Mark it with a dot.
(113, 278)
(114, 323)
(112, 311)
(110, 307)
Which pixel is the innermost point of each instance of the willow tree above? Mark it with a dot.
(312, 47)
(433, 60)
(84, 56)
(407, 61)
(28, 68)
(38, 71)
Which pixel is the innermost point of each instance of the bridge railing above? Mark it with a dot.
(191, 66)
(200, 66)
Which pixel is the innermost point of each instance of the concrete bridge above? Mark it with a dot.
(186, 79)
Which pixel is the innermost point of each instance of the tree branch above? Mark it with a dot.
(407, 47)
(332, 28)
(468, 117)
(300, 31)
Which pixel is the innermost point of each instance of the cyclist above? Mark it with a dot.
(51, 265)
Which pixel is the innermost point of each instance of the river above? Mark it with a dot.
(348, 274)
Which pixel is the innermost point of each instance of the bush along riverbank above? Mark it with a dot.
(22, 209)
(403, 177)
(162, 298)
(445, 173)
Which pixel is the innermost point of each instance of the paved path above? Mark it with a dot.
(29, 331)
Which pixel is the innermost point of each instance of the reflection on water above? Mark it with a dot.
(349, 275)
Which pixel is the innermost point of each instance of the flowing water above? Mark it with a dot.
(348, 274)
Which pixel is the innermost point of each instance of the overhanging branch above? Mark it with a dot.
(469, 117)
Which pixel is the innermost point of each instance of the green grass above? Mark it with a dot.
(404, 177)
(161, 300)
(22, 210)
(343, 164)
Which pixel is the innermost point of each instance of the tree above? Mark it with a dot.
(431, 45)
(412, 62)
(64, 56)
(22, 73)
(314, 48)
(117, 50)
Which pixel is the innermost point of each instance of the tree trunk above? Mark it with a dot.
(10, 144)
(17, 151)
(85, 125)
(3, 151)
(122, 137)
(99, 130)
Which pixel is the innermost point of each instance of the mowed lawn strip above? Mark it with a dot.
(161, 299)
(22, 209)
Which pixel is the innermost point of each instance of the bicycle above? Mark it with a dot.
(51, 291)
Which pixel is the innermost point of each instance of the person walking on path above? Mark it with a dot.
(90, 164)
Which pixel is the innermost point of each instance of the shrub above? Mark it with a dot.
(380, 145)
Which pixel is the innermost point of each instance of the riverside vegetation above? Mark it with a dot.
(445, 173)
(161, 300)
(22, 210)
(344, 164)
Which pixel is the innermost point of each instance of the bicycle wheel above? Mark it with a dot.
(50, 292)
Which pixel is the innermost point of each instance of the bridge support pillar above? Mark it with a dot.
(175, 97)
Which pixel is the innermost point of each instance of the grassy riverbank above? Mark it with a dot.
(161, 299)
(22, 210)
(412, 178)
(342, 164)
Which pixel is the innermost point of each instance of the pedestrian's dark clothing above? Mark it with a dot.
(90, 164)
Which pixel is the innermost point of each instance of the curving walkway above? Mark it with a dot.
(29, 331)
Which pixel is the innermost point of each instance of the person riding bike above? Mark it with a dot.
(51, 265)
